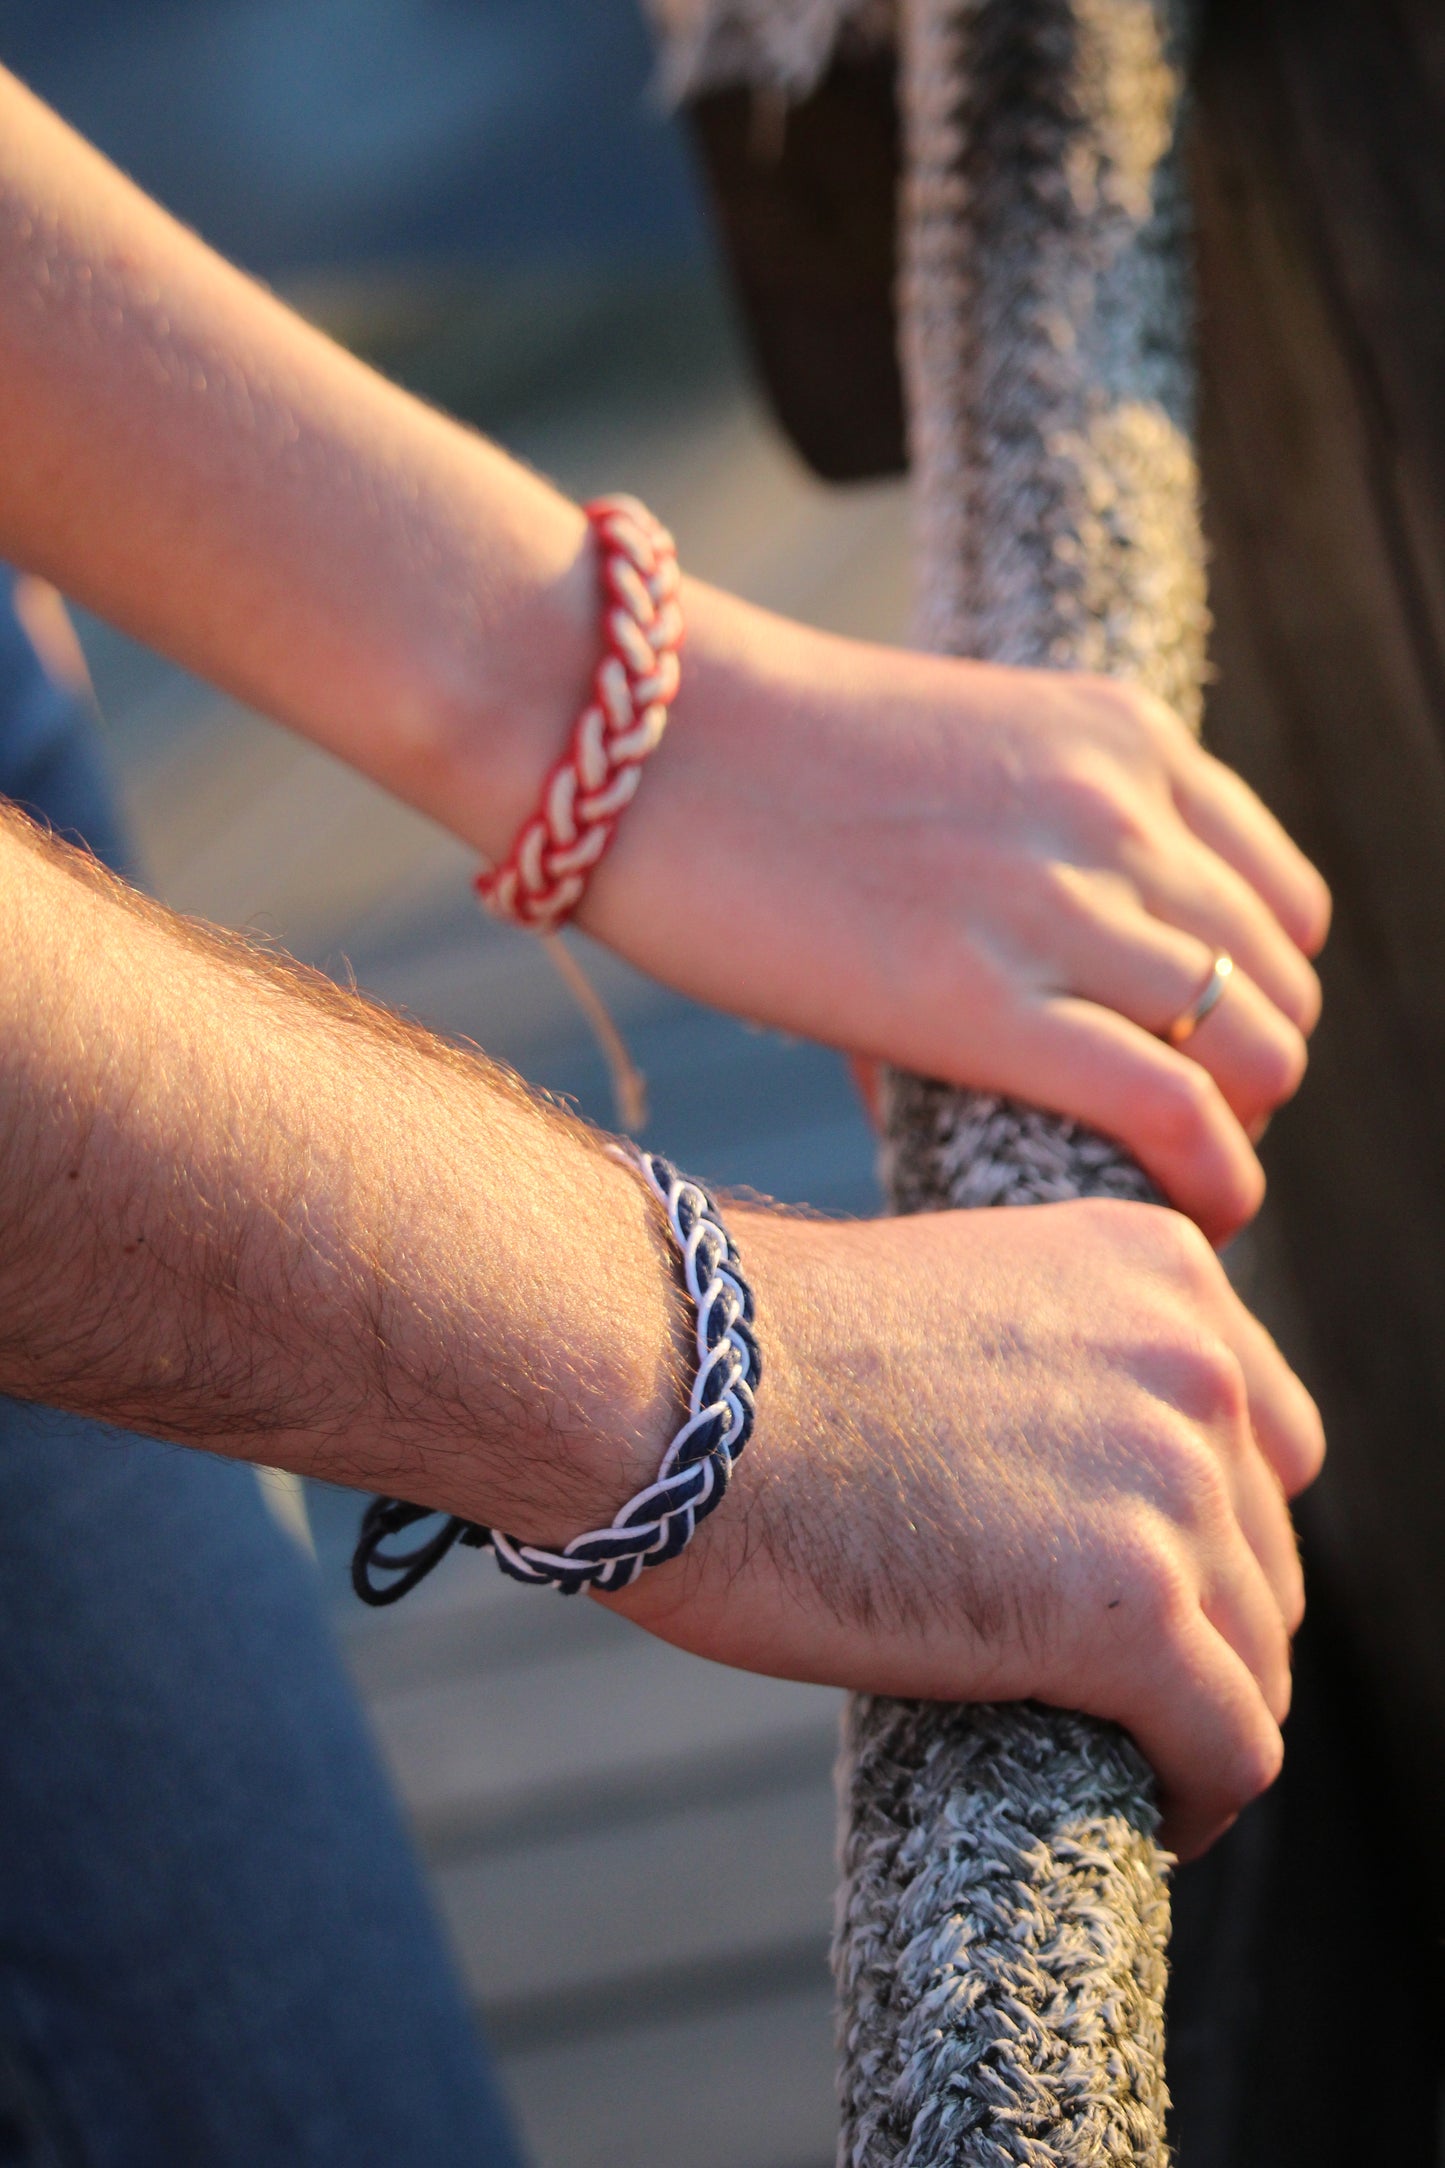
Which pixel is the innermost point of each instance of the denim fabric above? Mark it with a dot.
(215, 1947)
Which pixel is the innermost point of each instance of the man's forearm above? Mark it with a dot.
(242, 1209)
(997, 1454)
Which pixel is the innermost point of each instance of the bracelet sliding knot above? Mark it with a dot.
(660, 1521)
(544, 876)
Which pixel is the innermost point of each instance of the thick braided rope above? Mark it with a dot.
(692, 1481)
(1000, 1940)
(658, 1522)
(544, 876)
(1003, 1914)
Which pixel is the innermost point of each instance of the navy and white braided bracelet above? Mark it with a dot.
(660, 1521)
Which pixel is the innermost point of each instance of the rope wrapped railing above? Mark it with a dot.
(1003, 1914)
(1003, 1918)
(1000, 1945)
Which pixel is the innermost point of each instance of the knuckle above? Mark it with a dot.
(1157, 1592)
(1059, 897)
(1185, 1106)
(1309, 1001)
(1318, 912)
(1120, 1224)
(1311, 1448)
(1162, 724)
(1283, 1060)
(1098, 804)
(1256, 1763)
(1214, 1388)
(1139, 722)
(1197, 1486)
(1297, 1466)
(1185, 1255)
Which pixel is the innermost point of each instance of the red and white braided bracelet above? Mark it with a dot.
(544, 876)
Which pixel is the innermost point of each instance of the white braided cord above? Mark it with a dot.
(660, 1521)
(544, 876)
(692, 1481)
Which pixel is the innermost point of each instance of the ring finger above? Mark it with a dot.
(1256, 1056)
(1192, 890)
(1152, 973)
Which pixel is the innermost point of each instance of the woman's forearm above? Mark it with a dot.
(1012, 879)
(190, 459)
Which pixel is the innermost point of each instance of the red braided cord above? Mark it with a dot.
(544, 876)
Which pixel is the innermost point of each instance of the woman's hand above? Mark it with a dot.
(1009, 879)
(1007, 1454)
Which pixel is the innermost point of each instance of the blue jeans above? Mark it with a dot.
(215, 1947)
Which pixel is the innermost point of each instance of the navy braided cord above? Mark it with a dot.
(692, 1481)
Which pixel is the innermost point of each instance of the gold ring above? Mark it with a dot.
(1184, 1026)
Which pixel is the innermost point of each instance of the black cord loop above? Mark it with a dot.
(692, 1481)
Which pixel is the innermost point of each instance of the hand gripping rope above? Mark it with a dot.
(543, 878)
(692, 1481)
(1004, 1909)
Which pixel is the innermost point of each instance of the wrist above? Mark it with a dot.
(605, 1364)
(835, 1559)
(458, 692)
(738, 761)
(649, 1357)
(685, 1483)
(510, 726)
(721, 1596)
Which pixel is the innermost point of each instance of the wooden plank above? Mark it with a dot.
(493, 1743)
(750, 2087)
(395, 1652)
(585, 1914)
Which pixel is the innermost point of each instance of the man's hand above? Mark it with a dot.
(1005, 1454)
(1009, 879)
(998, 1453)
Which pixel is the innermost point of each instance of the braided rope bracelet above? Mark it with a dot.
(692, 1481)
(544, 876)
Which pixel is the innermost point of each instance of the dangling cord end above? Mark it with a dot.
(629, 1085)
(381, 1577)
